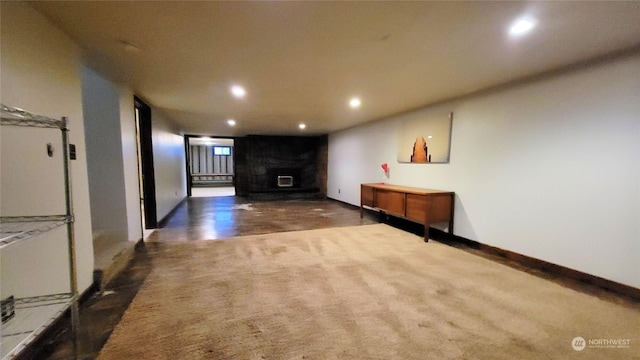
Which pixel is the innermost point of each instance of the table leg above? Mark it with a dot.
(453, 200)
(428, 209)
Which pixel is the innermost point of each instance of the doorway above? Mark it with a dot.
(210, 166)
(146, 173)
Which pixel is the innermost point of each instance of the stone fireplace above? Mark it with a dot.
(281, 167)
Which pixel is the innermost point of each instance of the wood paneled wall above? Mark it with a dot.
(204, 162)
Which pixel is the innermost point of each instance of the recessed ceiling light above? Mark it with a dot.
(231, 122)
(521, 26)
(429, 137)
(354, 103)
(238, 91)
(302, 126)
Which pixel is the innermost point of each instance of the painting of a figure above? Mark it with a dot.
(420, 151)
(426, 139)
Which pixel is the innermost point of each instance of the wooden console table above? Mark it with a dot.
(424, 206)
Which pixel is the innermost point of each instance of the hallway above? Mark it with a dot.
(197, 218)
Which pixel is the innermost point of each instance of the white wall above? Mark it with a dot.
(549, 169)
(169, 164)
(114, 173)
(130, 164)
(112, 152)
(101, 106)
(40, 72)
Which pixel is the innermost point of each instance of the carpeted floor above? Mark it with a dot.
(362, 292)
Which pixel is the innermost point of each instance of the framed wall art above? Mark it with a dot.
(426, 140)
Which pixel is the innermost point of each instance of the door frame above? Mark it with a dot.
(187, 155)
(148, 180)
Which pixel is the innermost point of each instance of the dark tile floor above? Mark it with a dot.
(224, 217)
(215, 218)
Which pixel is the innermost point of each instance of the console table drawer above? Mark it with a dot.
(416, 207)
(440, 209)
(366, 195)
(390, 201)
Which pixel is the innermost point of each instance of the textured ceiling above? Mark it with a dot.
(303, 61)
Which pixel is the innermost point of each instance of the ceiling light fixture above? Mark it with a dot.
(302, 126)
(206, 140)
(231, 122)
(522, 26)
(238, 91)
(354, 103)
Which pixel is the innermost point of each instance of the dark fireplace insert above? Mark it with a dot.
(284, 178)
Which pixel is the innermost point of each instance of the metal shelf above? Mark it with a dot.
(17, 117)
(32, 316)
(17, 228)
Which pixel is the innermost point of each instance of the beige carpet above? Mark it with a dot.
(363, 292)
